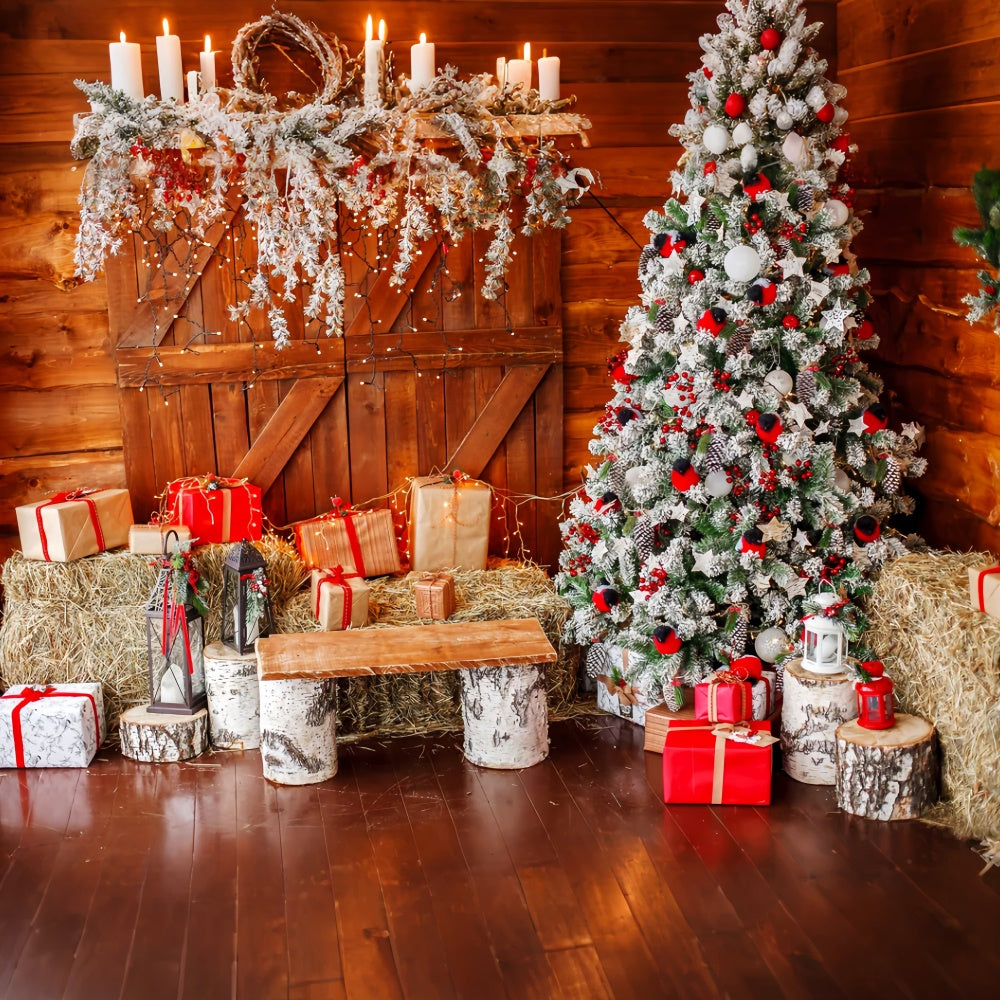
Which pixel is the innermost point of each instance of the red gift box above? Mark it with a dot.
(704, 764)
(215, 509)
(724, 697)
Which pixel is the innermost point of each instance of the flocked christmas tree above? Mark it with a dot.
(745, 456)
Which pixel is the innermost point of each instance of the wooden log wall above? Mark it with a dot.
(626, 60)
(923, 79)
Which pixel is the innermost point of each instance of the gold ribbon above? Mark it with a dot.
(625, 693)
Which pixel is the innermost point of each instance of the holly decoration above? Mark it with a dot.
(985, 240)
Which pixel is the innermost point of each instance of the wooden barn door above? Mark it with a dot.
(430, 376)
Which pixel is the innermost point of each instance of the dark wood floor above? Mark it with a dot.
(414, 874)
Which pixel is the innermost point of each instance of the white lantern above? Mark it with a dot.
(716, 139)
(742, 134)
(837, 211)
(825, 647)
(742, 263)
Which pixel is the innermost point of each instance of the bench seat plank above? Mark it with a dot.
(404, 649)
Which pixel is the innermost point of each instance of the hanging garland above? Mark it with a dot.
(297, 170)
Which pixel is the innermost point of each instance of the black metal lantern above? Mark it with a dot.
(175, 641)
(246, 605)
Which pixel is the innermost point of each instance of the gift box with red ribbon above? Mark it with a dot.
(72, 525)
(215, 509)
(718, 763)
(339, 600)
(434, 594)
(449, 522)
(984, 590)
(362, 541)
(51, 726)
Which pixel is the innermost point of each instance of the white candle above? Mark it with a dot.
(519, 70)
(373, 63)
(422, 69)
(126, 67)
(168, 60)
(501, 72)
(548, 77)
(192, 79)
(207, 58)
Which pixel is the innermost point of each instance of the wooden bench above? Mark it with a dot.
(503, 690)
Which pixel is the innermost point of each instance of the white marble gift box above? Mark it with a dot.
(59, 725)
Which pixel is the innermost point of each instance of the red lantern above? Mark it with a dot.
(875, 698)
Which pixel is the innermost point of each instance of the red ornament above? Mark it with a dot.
(875, 418)
(842, 143)
(841, 267)
(712, 321)
(747, 666)
(604, 598)
(865, 330)
(735, 105)
(669, 243)
(607, 503)
(666, 640)
(768, 427)
(762, 292)
(708, 73)
(875, 697)
(752, 541)
(694, 276)
(825, 113)
(867, 529)
(790, 322)
(710, 168)
(755, 185)
(683, 475)
(769, 39)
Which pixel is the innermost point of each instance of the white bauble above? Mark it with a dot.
(742, 263)
(770, 644)
(839, 115)
(780, 381)
(842, 480)
(794, 148)
(784, 121)
(717, 484)
(742, 134)
(837, 211)
(748, 159)
(716, 139)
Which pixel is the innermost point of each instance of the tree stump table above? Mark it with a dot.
(233, 698)
(159, 738)
(503, 693)
(887, 774)
(814, 706)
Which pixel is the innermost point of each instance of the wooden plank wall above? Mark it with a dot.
(923, 83)
(626, 60)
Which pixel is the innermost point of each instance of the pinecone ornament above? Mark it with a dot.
(649, 253)
(665, 317)
(644, 537)
(836, 539)
(738, 640)
(892, 480)
(781, 247)
(616, 478)
(713, 224)
(598, 660)
(807, 198)
(716, 453)
(805, 386)
(738, 341)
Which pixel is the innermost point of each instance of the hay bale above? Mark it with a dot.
(944, 657)
(84, 620)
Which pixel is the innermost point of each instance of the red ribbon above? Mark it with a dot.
(174, 620)
(354, 542)
(30, 695)
(983, 573)
(336, 577)
(71, 497)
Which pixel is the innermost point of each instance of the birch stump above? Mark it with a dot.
(298, 730)
(233, 698)
(887, 773)
(506, 717)
(158, 738)
(813, 706)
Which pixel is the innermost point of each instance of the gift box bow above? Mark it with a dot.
(621, 689)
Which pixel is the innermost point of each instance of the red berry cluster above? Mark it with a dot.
(768, 481)
(721, 379)
(180, 181)
(734, 476)
(753, 224)
(652, 580)
(578, 565)
(684, 384)
(766, 511)
(841, 362)
(584, 532)
(788, 231)
(801, 471)
(832, 565)
(701, 429)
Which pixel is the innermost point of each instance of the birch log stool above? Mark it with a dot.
(233, 698)
(814, 706)
(503, 694)
(887, 773)
(159, 738)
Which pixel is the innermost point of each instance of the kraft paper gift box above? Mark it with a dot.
(660, 718)
(70, 526)
(713, 764)
(984, 590)
(361, 541)
(449, 523)
(434, 594)
(147, 539)
(59, 725)
(215, 509)
(339, 599)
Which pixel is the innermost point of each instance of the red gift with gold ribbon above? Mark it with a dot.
(717, 764)
(75, 524)
(216, 509)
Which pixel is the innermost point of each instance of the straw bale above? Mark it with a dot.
(944, 657)
(84, 621)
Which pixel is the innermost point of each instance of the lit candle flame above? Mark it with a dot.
(368, 29)
(166, 27)
(527, 51)
(208, 43)
(423, 38)
(121, 35)
(381, 31)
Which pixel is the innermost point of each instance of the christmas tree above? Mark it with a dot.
(745, 456)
